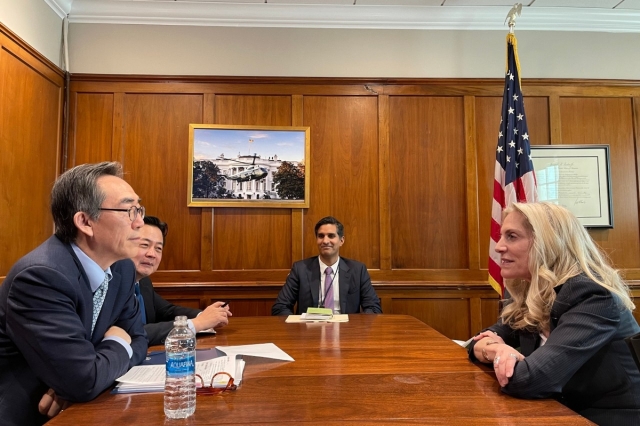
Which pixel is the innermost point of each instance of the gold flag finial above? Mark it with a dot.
(513, 14)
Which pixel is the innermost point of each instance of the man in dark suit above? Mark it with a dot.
(328, 280)
(159, 314)
(69, 321)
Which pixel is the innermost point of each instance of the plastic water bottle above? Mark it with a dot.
(180, 383)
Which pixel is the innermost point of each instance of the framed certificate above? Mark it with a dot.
(577, 177)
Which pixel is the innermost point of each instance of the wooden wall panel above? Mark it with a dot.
(398, 161)
(30, 134)
(250, 307)
(91, 134)
(449, 316)
(252, 238)
(490, 312)
(428, 198)
(253, 110)
(344, 163)
(154, 152)
(610, 121)
(245, 299)
(488, 125)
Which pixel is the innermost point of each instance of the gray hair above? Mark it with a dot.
(76, 190)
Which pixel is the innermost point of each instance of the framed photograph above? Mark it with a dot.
(248, 166)
(577, 177)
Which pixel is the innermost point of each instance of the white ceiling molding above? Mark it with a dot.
(341, 16)
(61, 7)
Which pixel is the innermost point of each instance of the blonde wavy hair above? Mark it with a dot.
(561, 248)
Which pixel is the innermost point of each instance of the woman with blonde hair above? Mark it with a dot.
(567, 315)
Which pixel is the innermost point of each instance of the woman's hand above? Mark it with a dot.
(504, 362)
(488, 333)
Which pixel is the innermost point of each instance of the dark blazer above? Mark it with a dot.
(160, 313)
(585, 363)
(303, 287)
(46, 308)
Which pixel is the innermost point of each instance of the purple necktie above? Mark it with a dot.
(328, 288)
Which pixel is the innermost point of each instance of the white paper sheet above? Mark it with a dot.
(263, 350)
(155, 374)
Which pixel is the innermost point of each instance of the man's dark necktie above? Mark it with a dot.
(141, 303)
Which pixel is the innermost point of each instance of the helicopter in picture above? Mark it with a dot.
(252, 172)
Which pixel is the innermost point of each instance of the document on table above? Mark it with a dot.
(150, 378)
(263, 350)
(305, 318)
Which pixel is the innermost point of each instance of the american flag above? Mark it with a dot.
(515, 179)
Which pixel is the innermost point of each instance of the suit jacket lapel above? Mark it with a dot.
(344, 278)
(85, 289)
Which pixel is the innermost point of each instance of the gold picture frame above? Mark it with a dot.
(248, 166)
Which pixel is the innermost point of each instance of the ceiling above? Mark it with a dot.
(539, 15)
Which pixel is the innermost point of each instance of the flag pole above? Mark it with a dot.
(514, 179)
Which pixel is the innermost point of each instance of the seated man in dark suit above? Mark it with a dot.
(69, 321)
(328, 280)
(159, 314)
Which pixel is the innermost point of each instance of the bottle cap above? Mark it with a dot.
(180, 320)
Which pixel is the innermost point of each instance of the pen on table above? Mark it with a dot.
(152, 353)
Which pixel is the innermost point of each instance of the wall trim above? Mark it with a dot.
(351, 16)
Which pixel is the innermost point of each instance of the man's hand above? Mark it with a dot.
(214, 316)
(117, 331)
(51, 405)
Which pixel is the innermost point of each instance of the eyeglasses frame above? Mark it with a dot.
(211, 390)
(133, 210)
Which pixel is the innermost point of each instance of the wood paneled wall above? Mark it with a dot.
(31, 100)
(406, 165)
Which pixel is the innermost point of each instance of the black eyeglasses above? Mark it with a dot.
(133, 212)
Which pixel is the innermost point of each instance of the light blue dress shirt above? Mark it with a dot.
(96, 277)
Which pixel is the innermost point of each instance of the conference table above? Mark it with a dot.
(373, 369)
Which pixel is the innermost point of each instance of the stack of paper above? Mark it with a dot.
(308, 318)
(150, 378)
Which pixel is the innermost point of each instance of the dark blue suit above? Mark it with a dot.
(585, 363)
(303, 287)
(160, 313)
(45, 332)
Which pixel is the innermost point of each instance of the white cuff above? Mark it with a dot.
(122, 342)
(191, 326)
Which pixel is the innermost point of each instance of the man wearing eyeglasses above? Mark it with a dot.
(69, 320)
(159, 314)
